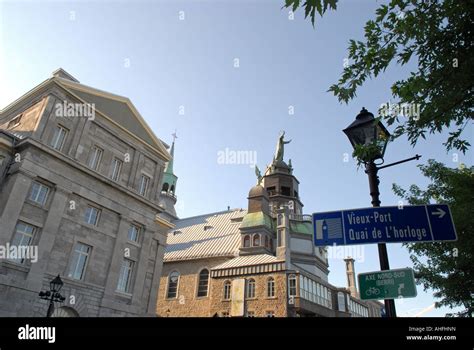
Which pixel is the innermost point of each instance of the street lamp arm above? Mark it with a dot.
(399, 162)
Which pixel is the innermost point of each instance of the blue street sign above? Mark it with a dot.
(417, 223)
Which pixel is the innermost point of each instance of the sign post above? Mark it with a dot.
(417, 223)
(389, 284)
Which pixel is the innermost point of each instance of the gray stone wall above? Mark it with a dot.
(60, 221)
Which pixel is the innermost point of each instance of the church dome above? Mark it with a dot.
(258, 191)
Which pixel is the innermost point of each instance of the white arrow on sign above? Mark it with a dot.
(439, 213)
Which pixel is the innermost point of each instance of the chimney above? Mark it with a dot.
(61, 73)
(351, 282)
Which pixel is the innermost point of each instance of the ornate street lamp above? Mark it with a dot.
(368, 132)
(369, 137)
(53, 294)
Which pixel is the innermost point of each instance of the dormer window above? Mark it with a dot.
(207, 227)
(246, 241)
(256, 240)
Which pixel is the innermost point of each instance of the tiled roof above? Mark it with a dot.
(209, 235)
(247, 260)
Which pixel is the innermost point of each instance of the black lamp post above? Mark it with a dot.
(369, 132)
(53, 294)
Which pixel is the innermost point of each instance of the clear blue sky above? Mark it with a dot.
(142, 50)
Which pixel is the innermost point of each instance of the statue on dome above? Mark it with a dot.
(280, 148)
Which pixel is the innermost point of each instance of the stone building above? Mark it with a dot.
(258, 262)
(80, 185)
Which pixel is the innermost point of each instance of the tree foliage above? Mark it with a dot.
(446, 267)
(437, 36)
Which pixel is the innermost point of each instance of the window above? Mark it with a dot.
(203, 283)
(271, 287)
(59, 136)
(14, 122)
(125, 277)
(250, 313)
(172, 189)
(292, 285)
(256, 240)
(267, 242)
(246, 241)
(116, 169)
(286, 191)
(250, 291)
(22, 238)
(144, 181)
(95, 157)
(79, 261)
(165, 187)
(92, 216)
(134, 233)
(39, 193)
(173, 279)
(279, 219)
(271, 191)
(227, 290)
(270, 314)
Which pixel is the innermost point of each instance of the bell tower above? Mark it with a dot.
(168, 188)
(280, 183)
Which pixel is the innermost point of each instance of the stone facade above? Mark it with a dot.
(74, 186)
(186, 303)
(261, 305)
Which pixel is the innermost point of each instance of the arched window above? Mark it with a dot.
(250, 290)
(172, 189)
(165, 187)
(256, 240)
(270, 287)
(203, 283)
(246, 241)
(173, 280)
(227, 289)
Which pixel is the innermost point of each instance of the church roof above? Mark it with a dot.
(204, 236)
(247, 260)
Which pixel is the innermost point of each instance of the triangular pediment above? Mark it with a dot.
(117, 108)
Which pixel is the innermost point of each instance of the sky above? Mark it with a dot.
(228, 76)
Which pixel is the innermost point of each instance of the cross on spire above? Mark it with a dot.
(175, 136)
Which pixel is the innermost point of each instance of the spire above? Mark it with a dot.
(168, 187)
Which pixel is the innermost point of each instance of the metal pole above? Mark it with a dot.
(371, 170)
(51, 306)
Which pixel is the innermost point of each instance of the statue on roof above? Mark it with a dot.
(280, 149)
(259, 174)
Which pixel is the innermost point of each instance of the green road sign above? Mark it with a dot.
(389, 284)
